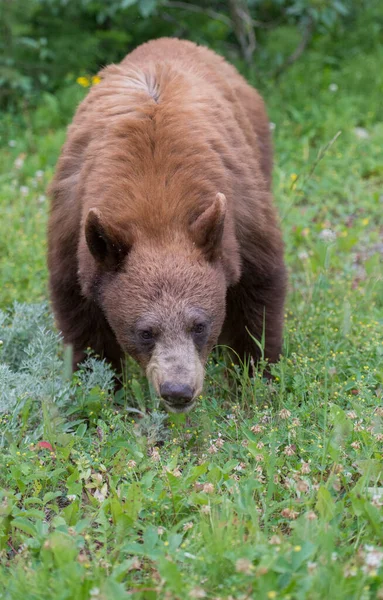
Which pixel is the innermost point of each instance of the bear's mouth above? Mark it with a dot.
(179, 407)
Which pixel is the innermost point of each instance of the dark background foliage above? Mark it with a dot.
(46, 44)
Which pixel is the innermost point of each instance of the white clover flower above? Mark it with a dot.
(303, 255)
(18, 162)
(361, 133)
(328, 235)
(333, 87)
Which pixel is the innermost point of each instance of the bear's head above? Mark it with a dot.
(164, 298)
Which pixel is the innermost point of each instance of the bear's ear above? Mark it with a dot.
(207, 229)
(107, 247)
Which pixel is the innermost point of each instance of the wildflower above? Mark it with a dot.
(41, 199)
(256, 428)
(355, 445)
(208, 488)
(100, 495)
(19, 161)
(240, 467)
(305, 468)
(296, 422)
(303, 255)
(288, 513)
(83, 81)
(12, 143)
(213, 449)
(372, 558)
(311, 566)
(284, 413)
(160, 530)
(177, 472)
(275, 540)
(205, 509)
(244, 565)
(297, 548)
(244, 443)
(379, 437)
(219, 443)
(259, 458)
(352, 414)
(302, 486)
(94, 592)
(333, 87)
(260, 445)
(379, 411)
(272, 594)
(289, 450)
(131, 464)
(39, 174)
(350, 571)
(96, 79)
(272, 126)
(155, 455)
(311, 516)
(361, 133)
(24, 190)
(188, 526)
(328, 235)
(135, 565)
(71, 497)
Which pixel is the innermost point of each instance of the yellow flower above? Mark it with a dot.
(83, 81)
(297, 548)
(271, 594)
(365, 221)
(96, 79)
(293, 176)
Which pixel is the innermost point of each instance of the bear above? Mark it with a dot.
(163, 239)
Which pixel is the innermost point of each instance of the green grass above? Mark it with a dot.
(264, 491)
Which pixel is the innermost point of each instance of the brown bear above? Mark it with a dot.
(163, 238)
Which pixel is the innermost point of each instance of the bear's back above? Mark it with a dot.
(164, 131)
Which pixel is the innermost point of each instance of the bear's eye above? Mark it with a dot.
(199, 328)
(147, 335)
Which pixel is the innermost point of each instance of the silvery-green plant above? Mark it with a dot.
(32, 372)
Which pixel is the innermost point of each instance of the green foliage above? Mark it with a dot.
(47, 44)
(264, 490)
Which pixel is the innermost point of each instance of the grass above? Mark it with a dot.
(264, 491)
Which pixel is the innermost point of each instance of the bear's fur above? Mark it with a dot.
(163, 239)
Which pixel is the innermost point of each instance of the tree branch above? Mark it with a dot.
(243, 28)
(197, 9)
(306, 38)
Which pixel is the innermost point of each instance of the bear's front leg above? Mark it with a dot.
(256, 306)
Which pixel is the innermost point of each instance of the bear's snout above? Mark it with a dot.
(177, 395)
(176, 373)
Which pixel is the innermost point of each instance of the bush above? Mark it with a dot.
(46, 44)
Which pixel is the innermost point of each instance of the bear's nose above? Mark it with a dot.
(176, 393)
